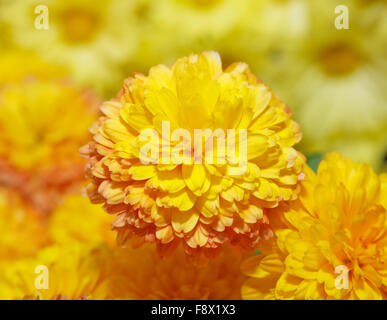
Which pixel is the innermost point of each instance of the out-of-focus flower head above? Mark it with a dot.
(76, 219)
(335, 80)
(80, 271)
(196, 25)
(334, 241)
(43, 122)
(75, 271)
(22, 231)
(19, 65)
(260, 35)
(90, 38)
(201, 206)
(202, 18)
(141, 274)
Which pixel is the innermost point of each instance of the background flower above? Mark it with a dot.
(39, 137)
(90, 38)
(80, 271)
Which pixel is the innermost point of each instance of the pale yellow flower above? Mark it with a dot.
(334, 241)
(173, 28)
(334, 80)
(90, 38)
(201, 206)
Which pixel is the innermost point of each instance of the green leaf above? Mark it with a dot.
(313, 160)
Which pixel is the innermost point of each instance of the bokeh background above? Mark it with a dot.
(53, 80)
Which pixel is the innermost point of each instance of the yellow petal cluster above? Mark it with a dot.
(74, 272)
(43, 122)
(80, 271)
(202, 205)
(333, 244)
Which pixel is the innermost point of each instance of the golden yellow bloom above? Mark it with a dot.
(79, 271)
(76, 219)
(73, 271)
(22, 232)
(42, 125)
(334, 243)
(205, 205)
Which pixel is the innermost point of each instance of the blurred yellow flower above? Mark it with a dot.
(17, 65)
(170, 29)
(90, 38)
(74, 271)
(202, 19)
(79, 271)
(201, 206)
(42, 125)
(76, 219)
(22, 232)
(260, 35)
(334, 80)
(334, 244)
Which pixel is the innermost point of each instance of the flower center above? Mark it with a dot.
(339, 60)
(79, 25)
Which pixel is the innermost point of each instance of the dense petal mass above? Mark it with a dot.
(333, 243)
(85, 271)
(43, 122)
(201, 204)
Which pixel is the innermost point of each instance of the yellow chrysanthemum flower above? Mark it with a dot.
(91, 38)
(76, 219)
(76, 271)
(22, 231)
(42, 125)
(334, 242)
(201, 205)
